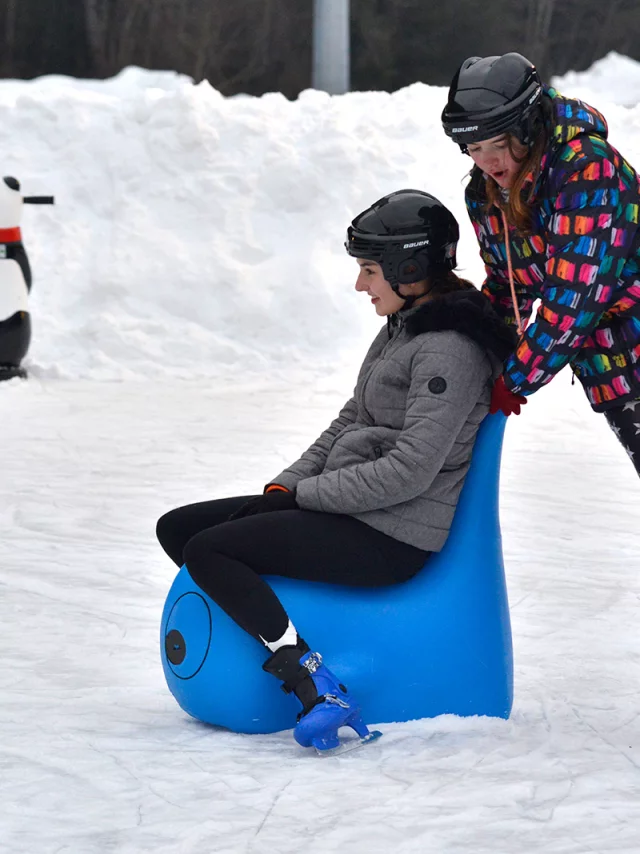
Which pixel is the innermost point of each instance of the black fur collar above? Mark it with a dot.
(468, 312)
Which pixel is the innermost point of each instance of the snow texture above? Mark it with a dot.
(195, 328)
(613, 79)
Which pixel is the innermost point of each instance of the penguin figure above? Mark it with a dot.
(15, 280)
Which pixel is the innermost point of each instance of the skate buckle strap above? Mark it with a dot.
(313, 662)
(332, 698)
(291, 685)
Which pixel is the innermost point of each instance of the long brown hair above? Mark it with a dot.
(519, 207)
(442, 279)
(445, 281)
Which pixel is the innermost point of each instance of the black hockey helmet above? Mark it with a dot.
(493, 95)
(409, 233)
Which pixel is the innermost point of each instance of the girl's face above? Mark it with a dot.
(493, 156)
(372, 282)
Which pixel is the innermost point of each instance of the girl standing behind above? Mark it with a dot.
(555, 209)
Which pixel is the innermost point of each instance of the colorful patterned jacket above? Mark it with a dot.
(582, 261)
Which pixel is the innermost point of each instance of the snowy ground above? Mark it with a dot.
(195, 327)
(98, 757)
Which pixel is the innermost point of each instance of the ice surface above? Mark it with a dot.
(194, 259)
(96, 754)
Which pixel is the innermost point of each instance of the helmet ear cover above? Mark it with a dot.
(410, 270)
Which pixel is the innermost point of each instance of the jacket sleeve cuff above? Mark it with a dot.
(275, 487)
(308, 496)
(285, 481)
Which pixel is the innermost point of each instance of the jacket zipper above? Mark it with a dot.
(386, 347)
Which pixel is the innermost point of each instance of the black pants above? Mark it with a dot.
(227, 559)
(625, 423)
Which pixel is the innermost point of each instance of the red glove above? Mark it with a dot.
(504, 400)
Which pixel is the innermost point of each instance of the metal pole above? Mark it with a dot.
(331, 49)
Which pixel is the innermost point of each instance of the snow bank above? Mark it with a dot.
(195, 234)
(130, 80)
(201, 236)
(614, 79)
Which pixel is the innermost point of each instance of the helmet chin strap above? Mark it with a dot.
(408, 301)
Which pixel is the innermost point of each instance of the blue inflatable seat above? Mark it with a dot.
(437, 644)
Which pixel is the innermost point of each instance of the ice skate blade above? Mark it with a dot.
(349, 744)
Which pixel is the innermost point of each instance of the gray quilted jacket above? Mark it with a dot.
(397, 454)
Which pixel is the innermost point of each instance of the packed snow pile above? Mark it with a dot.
(129, 80)
(200, 236)
(194, 234)
(613, 79)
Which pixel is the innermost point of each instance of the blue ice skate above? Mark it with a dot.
(326, 703)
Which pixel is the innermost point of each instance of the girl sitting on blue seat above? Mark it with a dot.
(375, 494)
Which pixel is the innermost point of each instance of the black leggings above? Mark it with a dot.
(227, 559)
(625, 423)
